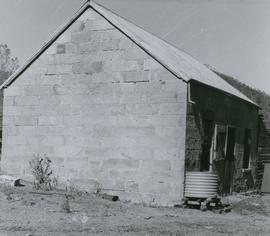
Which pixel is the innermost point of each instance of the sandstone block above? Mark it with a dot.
(8, 120)
(50, 50)
(14, 91)
(16, 140)
(10, 131)
(120, 164)
(98, 25)
(25, 120)
(49, 100)
(156, 165)
(37, 90)
(88, 68)
(49, 120)
(81, 37)
(117, 65)
(53, 140)
(165, 120)
(64, 38)
(151, 64)
(137, 153)
(154, 187)
(135, 76)
(79, 163)
(59, 69)
(172, 132)
(166, 153)
(12, 110)
(134, 54)
(101, 109)
(46, 59)
(133, 98)
(172, 108)
(34, 139)
(163, 97)
(9, 101)
(106, 35)
(145, 109)
(71, 48)
(66, 58)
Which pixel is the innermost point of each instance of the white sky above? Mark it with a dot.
(231, 35)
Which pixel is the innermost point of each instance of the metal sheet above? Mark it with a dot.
(200, 184)
(266, 178)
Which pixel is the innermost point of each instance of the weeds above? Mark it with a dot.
(41, 170)
(66, 206)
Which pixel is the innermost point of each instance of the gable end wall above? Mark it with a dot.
(107, 114)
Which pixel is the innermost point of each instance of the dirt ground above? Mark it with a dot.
(24, 212)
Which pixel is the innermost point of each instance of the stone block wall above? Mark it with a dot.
(107, 114)
(3, 76)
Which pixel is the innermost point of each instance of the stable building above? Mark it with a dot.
(120, 110)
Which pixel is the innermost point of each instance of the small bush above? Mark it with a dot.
(41, 170)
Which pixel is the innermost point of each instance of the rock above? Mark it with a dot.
(110, 197)
(9, 180)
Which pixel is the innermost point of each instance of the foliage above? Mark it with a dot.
(41, 170)
(7, 63)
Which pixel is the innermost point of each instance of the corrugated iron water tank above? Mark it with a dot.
(201, 184)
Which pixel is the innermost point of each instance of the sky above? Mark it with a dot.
(233, 36)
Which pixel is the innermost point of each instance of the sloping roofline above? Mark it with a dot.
(179, 63)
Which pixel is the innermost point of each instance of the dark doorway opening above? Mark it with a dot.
(206, 145)
(247, 148)
(229, 160)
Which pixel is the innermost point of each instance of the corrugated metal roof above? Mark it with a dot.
(175, 60)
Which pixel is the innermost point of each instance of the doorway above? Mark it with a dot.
(229, 161)
(223, 156)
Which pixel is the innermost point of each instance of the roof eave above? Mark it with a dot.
(226, 93)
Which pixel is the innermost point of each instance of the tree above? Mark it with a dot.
(8, 64)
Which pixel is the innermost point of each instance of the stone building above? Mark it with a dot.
(3, 77)
(119, 109)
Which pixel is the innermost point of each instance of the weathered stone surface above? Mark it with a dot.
(9, 101)
(98, 24)
(107, 114)
(88, 68)
(25, 120)
(121, 164)
(59, 69)
(156, 165)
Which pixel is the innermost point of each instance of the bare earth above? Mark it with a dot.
(26, 213)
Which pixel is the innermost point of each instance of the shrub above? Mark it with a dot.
(41, 170)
